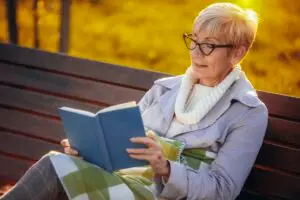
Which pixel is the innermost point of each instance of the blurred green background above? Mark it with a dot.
(147, 34)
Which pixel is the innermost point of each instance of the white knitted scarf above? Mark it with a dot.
(206, 103)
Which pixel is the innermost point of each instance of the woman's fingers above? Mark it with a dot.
(70, 151)
(144, 140)
(67, 149)
(65, 143)
(139, 151)
(153, 159)
(140, 157)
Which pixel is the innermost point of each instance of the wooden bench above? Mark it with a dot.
(33, 84)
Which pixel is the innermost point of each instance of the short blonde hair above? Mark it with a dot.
(235, 25)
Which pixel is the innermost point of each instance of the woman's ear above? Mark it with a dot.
(238, 54)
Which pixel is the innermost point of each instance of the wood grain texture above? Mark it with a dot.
(67, 87)
(279, 157)
(128, 77)
(40, 102)
(271, 183)
(284, 131)
(281, 105)
(25, 146)
(31, 125)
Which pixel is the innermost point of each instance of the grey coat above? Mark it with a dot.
(233, 129)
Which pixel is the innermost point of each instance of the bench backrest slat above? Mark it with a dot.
(281, 106)
(25, 146)
(43, 104)
(65, 86)
(284, 131)
(273, 183)
(31, 125)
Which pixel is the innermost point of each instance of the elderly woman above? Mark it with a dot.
(212, 107)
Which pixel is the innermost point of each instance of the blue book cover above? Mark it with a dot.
(102, 137)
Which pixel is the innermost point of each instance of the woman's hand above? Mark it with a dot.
(153, 154)
(67, 149)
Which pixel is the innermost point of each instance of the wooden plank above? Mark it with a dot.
(31, 125)
(279, 157)
(29, 148)
(281, 105)
(39, 102)
(96, 70)
(284, 131)
(68, 87)
(270, 183)
(11, 168)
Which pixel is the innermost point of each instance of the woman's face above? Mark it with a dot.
(213, 68)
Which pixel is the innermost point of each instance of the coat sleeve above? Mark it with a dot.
(227, 174)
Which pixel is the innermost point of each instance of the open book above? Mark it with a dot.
(102, 137)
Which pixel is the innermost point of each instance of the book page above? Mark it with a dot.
(78, 111)
(118, 107)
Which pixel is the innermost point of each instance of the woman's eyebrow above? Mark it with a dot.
(211, 38)
(194, 35)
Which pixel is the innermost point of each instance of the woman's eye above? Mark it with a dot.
(208, 46)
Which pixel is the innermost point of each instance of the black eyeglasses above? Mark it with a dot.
(205, 48)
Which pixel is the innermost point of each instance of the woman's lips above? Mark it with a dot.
(200, 66)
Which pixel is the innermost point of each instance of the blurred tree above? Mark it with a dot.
(64, 25)
(36, 24)
(95, 1)
(11, 15)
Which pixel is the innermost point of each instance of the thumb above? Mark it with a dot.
(65, 143)
(151, 135)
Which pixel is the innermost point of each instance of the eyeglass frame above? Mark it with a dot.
(213, 46)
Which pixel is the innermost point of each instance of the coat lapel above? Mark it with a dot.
(167, 103)
(167, 106)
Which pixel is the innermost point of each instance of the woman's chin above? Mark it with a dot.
(198, 71)
(198, 75)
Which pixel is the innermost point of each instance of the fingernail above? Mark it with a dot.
(132, 139)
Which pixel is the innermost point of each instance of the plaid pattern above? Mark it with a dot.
(83, 180)
(39, 182)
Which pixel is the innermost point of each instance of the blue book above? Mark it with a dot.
(102, 137)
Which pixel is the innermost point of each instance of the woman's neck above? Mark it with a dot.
(214, 82)
(208, 83)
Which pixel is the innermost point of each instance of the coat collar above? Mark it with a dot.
(241, 91)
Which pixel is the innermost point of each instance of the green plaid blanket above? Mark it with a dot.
(82, 180)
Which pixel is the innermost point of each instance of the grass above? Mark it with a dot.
(147, 34)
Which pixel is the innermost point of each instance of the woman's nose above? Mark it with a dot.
(196, 52)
